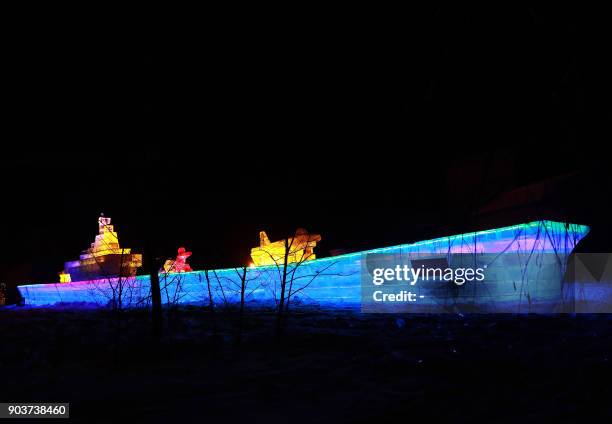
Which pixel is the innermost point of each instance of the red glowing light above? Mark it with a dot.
(180, 263)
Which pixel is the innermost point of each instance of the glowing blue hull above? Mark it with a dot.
(336, 281)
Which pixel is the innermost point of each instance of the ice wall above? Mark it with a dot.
(333, 281)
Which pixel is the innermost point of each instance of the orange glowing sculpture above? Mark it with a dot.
(180, 263)
(300, 248)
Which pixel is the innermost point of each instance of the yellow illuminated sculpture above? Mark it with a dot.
(104, 258)
(64, 277)
(299, 248)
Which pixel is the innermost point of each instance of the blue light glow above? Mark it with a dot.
(337, 282)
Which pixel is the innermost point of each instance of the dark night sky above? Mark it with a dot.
(216, 132)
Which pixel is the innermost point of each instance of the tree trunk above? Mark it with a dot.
(281, 304)
(211, 303)
(156, 300)
(241, 313)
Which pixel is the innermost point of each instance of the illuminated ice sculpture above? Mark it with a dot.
(517, 287)
(105, 258)
(299, 248)
(179, 264)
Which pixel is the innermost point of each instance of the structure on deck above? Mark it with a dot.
(104, 258)
(179, 264)
(299, 248)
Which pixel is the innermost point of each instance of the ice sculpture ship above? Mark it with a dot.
(104, 258)
(524, 274)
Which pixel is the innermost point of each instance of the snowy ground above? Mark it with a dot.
(330, 367)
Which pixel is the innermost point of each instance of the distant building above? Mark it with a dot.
(552, 198)
(341, 251)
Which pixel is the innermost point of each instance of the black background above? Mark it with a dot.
(200, 131)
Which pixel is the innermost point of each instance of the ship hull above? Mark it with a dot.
(516, 286)
(105, 266)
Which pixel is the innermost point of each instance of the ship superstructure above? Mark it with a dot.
(298, 248)
(105, 258)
